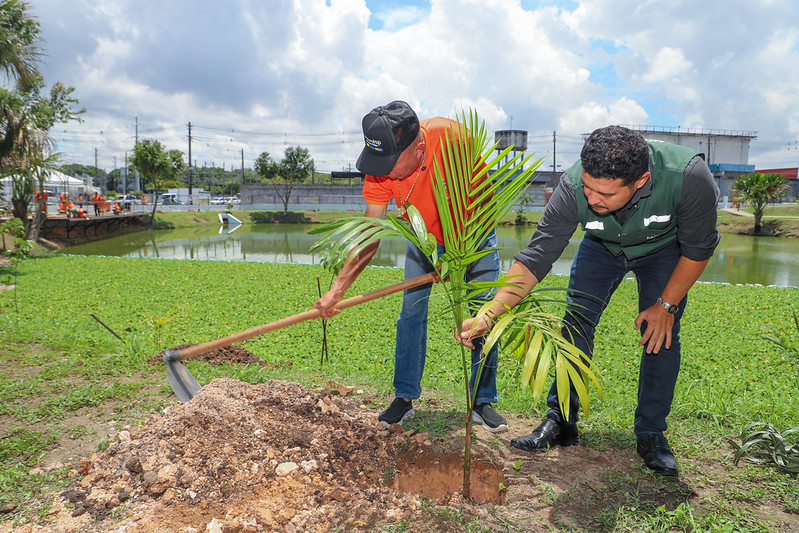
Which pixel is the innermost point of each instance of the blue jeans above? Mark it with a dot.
(411, 348)
(595, 275)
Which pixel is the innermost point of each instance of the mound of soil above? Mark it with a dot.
(226, 354)
(244, 458)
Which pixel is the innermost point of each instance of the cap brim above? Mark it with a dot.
(368, 163)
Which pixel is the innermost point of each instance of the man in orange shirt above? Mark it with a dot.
(398, 161)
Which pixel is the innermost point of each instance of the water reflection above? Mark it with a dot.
(738, 260)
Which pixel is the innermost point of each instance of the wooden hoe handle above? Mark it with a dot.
(198, 349)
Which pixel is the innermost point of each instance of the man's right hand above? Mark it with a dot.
(327, 305)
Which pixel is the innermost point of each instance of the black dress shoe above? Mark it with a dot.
(655, 451)
(549, 433)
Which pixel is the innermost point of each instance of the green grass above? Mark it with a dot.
(58, 362)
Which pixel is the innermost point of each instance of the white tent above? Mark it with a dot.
(55, 183)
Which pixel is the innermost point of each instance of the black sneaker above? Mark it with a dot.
(491, 420)
(396, 413)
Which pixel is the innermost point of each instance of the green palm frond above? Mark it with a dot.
(471, 199)
(533, 336)
(352, 234)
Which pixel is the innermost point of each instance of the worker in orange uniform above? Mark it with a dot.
(39, 197)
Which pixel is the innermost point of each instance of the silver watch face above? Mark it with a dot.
(670, 308)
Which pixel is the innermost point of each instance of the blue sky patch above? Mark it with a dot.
(389, 15)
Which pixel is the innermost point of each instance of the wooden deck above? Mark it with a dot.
(92, 223)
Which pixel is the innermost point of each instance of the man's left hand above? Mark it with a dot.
(659, 324)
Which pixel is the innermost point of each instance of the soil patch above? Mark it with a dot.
(241, 457)
(227, 354)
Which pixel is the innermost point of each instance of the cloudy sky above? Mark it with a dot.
(260, 75)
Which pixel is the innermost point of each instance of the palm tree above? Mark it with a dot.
(759, 190)
(471, 201)
(19, 41)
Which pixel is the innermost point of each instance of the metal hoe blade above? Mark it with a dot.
(180, 379)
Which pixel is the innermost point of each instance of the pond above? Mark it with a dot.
(739, 259)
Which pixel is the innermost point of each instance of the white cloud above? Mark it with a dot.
(306, 71)
(591, 115)
(667, 66)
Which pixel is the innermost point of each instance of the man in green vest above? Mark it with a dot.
(648, 208)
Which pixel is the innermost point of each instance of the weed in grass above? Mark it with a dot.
(22, 487)
(23, 446)
(58, 407)
(548, 493)
(399, 527)
(79, 432)
(435, 422)
(389, 475)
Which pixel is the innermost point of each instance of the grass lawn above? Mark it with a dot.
(66, 382)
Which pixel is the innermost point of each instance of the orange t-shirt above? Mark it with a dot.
(380, 190)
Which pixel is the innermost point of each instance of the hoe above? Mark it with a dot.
(186, 386)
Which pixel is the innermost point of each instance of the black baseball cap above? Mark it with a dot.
(387, 131)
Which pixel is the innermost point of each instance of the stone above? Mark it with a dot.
(284, 469)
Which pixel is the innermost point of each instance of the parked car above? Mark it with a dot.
(169, 198)
(128, 200)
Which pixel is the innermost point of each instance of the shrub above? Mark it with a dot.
(278, 217)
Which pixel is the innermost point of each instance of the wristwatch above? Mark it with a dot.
(671, 308)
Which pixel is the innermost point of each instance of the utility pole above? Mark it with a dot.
(190, 182)
(242, 169)
(136, 173)
(95, 166)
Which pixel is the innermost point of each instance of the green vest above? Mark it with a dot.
(652, 220)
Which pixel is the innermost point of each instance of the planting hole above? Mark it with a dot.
(438, 476)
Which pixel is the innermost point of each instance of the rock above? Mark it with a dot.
(309, 465)
(284, 469)
(150, 477)
(133, 464)
(168, 496)
(340, 495)
(7, 508)
(85, 467)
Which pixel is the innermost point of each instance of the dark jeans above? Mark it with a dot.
(595, 275)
